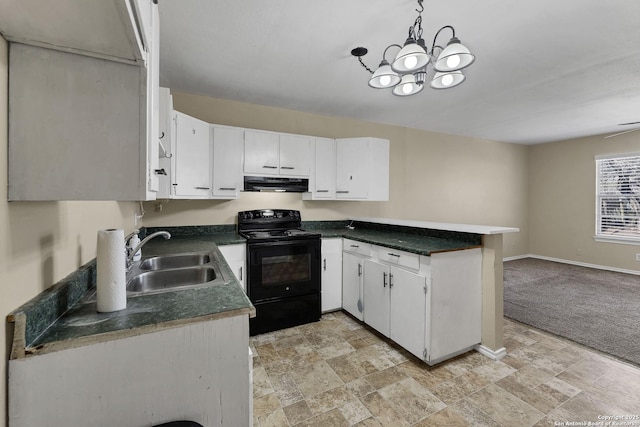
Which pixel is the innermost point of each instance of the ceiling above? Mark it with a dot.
(545, 70)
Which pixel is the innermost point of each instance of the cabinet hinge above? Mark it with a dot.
(425, 355)
(425, 289)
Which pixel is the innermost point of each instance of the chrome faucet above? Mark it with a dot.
(130, 255)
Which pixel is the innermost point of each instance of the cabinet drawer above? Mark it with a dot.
(356, 247)
(401, 258)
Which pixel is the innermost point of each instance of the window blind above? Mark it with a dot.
(618, 196)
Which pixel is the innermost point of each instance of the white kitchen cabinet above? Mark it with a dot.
(377, 296)
(352, 298)
(295, 155)
(409, 300)
(353, 255)
(362, 169)
(151, 32)
(261, 152)
(322, 181)
(191, 160)
(228, 151)
(84, 127)
(275, 154)
(134, 381)
(331, 274)
(116, 30)
(166, 140)
(431, 306)
(236, 257)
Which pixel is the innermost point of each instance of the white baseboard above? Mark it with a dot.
(566, 261)
(492, 354)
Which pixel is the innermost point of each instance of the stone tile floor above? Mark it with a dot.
(338, 372)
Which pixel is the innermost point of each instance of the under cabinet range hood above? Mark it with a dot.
(276, 184)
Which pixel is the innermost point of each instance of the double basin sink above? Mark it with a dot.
(164, 273)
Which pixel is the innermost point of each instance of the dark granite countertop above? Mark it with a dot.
(65, 316)
(409, 242)
(81, 324)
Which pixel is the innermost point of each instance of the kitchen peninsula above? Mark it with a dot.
(431, 238)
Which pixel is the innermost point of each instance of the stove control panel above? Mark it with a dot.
(269, 214)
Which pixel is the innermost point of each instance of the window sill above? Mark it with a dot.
(619, 240)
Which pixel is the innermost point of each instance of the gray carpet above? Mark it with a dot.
(597, 308)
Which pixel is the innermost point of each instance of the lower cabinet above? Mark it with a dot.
(236, 257)
(352, 282)
(134, 381)
(431, 306)
(396, 304)
(331, 274)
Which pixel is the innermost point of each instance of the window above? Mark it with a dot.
(618, 198)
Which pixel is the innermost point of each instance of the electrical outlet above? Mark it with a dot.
(637, 257)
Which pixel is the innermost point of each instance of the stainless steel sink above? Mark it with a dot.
(170, 279)
(173, 272)
(175, 261)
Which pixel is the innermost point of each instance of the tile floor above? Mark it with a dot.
(338, 372)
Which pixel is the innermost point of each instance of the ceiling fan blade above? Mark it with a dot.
(621, 133)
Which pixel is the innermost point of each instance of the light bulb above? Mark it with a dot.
(385, 80)
(453, 61)
(407, 88)
(410, 62)
(447, 80)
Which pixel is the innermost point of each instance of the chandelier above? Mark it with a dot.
(407, 73)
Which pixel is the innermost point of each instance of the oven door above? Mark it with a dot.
(283, 269)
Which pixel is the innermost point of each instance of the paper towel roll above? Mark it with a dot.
(111, 274)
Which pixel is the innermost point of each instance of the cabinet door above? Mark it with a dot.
(152, 30)
(236, 257)
(228, 147)
(376, 296)
(76, 125)
(408, 310)
(295, 155)
(352, 285)
(165, 126)
(325, 169)
(352, 165)
(192, 174)
(331, 274)
(261, 152)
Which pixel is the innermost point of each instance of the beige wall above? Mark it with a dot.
(434, 177)
(45, 241)
(562, 201)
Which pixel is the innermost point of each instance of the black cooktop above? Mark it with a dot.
(263, 225)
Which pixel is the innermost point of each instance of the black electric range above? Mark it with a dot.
(283, 269)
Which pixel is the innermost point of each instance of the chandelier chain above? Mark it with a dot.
(363, 64)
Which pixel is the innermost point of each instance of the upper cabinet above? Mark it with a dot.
(82, 109)
(275, 154)
(322, 181)
(362, 169)
(191, 165)
(200, 160)
(116, 30)
(228, 149)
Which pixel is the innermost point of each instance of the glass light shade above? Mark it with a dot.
(447, 80)
(411, 57)
(407, 86)
(454, 57)
(384, 77)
